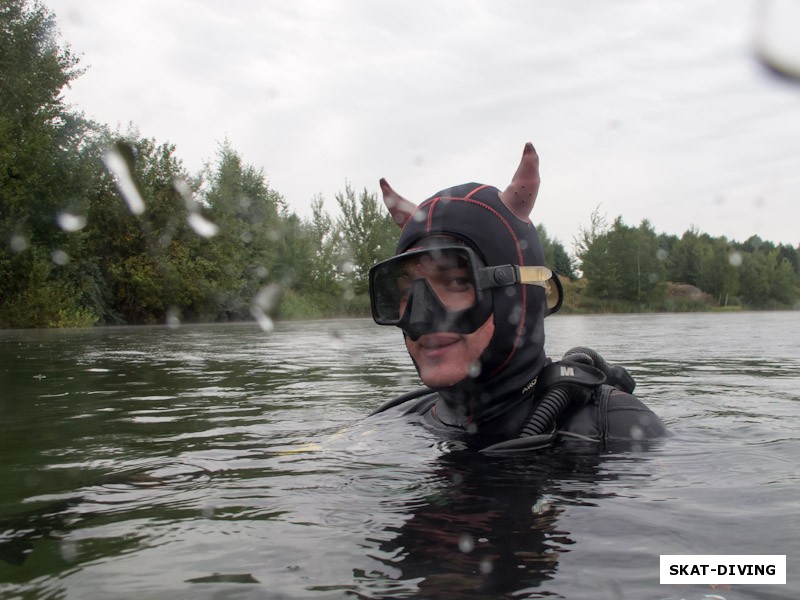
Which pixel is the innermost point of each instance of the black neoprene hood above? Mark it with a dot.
(475, 214)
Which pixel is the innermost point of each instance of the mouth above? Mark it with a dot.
(437, 344)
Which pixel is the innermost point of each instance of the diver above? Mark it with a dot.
(470, 291)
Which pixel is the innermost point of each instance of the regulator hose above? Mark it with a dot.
(544, 416)
(540, 427)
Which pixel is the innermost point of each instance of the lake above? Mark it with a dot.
(220, 461)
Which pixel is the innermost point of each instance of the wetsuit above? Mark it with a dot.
(594, 412)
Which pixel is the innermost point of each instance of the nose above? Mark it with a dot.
(424, 312)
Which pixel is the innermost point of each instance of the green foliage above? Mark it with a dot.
(622, 263)
(767, 280)
(367, 231)
(555, 256)
(722, 277)
(38, 169)
(629, 265)
(250, 236)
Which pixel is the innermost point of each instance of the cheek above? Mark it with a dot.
(480, 339)
(411, 348)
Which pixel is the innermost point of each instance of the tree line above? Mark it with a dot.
(108, 227)
(635, 268)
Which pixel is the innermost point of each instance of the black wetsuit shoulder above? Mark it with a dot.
(614, 415)
(417, 401)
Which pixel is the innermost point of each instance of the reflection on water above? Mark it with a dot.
(220, 461)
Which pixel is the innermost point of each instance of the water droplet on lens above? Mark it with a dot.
(262, 319)
(266, 301)
(118, 167)
(486, 566)
(69, 550)
(70, 222)
(59, 257)
(182, 188)
(173, 318)
(196, 221)
(18, 243)
(465, 543)
(475, 369)
(201, 225)
(662, 254)
(735, 259)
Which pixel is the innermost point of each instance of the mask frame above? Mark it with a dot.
(425, 313)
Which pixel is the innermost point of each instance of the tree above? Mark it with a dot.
(755, 278)
(621, 262)
(722, 280)
(250, 238)
(39, 172)
(326, 263)
(782, 282)
(555, 256)
(689, 261)
(148, 257)
(792, 256)
(368, 232)
(634, 252)
(593, 251)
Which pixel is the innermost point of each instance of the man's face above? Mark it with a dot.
(445, 358)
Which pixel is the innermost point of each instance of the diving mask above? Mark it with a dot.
(446, 288)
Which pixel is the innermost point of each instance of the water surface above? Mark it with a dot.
(220, 461)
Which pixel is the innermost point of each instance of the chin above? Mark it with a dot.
(439, 379)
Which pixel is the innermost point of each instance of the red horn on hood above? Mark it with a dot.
(520, 195)
(400, 208)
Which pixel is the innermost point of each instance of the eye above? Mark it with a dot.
(459, 283)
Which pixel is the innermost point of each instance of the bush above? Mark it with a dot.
(295, 306)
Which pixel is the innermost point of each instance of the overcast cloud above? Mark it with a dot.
(650, 109)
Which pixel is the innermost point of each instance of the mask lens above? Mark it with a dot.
(448, 272)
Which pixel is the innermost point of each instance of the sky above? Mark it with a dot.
(645, 110)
